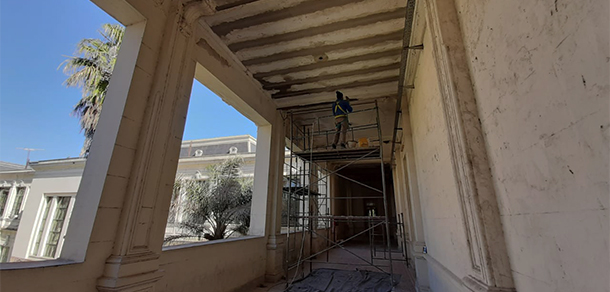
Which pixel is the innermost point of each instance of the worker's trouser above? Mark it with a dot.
(341, 125)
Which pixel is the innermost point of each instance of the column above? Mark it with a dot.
(134, 262)
(275, 240)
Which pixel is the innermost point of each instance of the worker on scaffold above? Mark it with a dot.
(341, 109)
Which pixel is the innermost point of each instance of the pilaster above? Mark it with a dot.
(414, 209)
(134, 263)
(489, 266)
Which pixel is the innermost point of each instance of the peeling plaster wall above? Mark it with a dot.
(540, 73)
(443, 220)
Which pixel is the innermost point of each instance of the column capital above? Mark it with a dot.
(192, 11)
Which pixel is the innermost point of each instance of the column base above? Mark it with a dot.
(139, 283)
(130, 273)
(275, 259)
(477, 286)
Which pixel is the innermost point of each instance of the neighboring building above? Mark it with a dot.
(39, 199)
(195, 158)
(15, 180)
(197, 155)
(47, 210)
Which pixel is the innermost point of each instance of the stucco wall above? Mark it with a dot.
(296, 238)
(445, 235)
(219, 266)
(59, 276)
(215, 266)
(540, 74)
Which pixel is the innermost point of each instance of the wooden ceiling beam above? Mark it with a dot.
(319, 50)
(276, 15)
(334, 87)
(271, 86)
(329, 63)
(312, 31)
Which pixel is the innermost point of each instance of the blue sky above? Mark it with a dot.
(35, 106)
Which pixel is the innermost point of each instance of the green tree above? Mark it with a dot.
(91, 70)
(218, 206)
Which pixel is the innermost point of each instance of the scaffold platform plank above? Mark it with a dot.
(341, 217)
(340, 154)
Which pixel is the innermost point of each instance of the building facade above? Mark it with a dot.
(38, 200)
(15, 182)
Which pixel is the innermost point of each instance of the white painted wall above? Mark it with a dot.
(541, 76)
(41, 186)
(443, 221)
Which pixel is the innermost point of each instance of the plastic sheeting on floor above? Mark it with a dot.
(332, 280)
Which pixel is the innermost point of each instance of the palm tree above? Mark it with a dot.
(91, 70)
(217, 207)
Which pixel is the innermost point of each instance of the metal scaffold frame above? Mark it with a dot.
(308, 189)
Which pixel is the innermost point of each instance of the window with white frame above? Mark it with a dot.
(5, 248)
(233, 150)
(3, 199)
(52, 225)
(18, 201)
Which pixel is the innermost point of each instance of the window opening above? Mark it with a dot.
(88, 59)
(4, 248)
(51, 232)
(3, 199)
(57, 226)
(213, 188)
(18, 201)
(233, 150)
(42, 224)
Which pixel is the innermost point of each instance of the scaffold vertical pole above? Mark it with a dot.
(385, 197)
(307, 213)
(311, 212)
(289, 195)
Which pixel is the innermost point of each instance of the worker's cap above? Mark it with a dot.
(339, 94)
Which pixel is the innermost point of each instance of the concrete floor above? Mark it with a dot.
(343, 260)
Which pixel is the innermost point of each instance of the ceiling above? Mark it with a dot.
(302, 51)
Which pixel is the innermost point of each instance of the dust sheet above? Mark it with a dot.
(332, 280)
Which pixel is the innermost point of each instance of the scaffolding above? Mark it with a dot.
(308, 200)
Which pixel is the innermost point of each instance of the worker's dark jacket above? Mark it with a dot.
(341, 108)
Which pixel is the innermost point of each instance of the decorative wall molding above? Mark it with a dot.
(489, 264)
